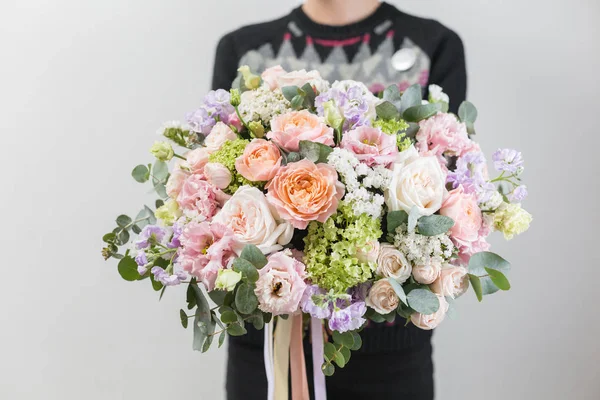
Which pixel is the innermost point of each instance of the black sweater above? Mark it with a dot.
(360, 51)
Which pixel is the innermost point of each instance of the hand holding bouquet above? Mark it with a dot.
(291, 195)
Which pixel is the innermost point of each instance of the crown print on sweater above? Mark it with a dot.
(374, 68)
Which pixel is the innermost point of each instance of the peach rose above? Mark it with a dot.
(430, 321)
(219, 134)
(303, 192)
(270, 75)
(463, 209)
(426, 273)
(453, 281)
(382, 297)
(287, 130)
(391, 263)
(197, 159)
(369, 252)
(217, 174)
(260, 161)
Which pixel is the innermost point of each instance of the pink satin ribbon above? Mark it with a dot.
(316, 334)
(297, 362)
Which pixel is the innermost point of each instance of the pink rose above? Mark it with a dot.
(302, 77)
(217, 175)
(234, 121)
(205, 250)
(426, 273)
(260, 161)
(280, 284)
(463, 209)
(430, 321)
(198, 197)
(303, 192)
(197, 159)
(270, 76)
(453, 281)
(369, 252)
(287, 130)
(466, 250)
(176, 179)
(219, 134)
(371, 145)
(442, 134)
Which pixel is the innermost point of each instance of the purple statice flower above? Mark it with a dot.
(149, 233)
(518, 194)
(486, 192)
(354, 101)
(469, 172)
(360, 292)
(177, 230)
(349, 318)
(167, 279)
(508, 160)
(321, 310)
(141, 259)
(215, 107)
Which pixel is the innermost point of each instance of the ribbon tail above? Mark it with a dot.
(316, 330)
(283, 332)
(268, 356)
(298, 363)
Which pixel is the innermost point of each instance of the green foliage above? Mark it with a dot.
(433, 225)
(411, 97)
(127, 268)
(236, 329)
(421, 112)
(498, 278)
(184, 318)
(423, 301)
(245, 299)
(123, 221)
(202, 318)
(222, 337)
(395, 219)
(476, 285)
(467, 113)
(141, 173)
(392, 95)
(399, 290)
(315, 152)
(227, 155)
(412, 130)
(245, 267)
(387, 111)
(253, 254)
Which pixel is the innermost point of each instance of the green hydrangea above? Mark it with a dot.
(331, 247)
(226, 155)
(392, 126)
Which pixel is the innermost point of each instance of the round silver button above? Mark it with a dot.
(404, 59)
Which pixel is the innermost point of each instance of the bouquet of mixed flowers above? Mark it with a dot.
(293, 196)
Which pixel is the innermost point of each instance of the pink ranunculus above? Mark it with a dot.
(219, 134)
(260, 162)
(280, 284)
(371, 145)
(462, 207)
(287, 130)
(205, 250)
(176, 179)
(197, 159)
(270, 76)
(198, 197)
(217, 175)
(442, 134)
(303, 192)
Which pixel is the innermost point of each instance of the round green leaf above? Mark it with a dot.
(498, 278)
(433, 225)
(395, 219)
(140, 173)
(247, 270)
(357, 341)
(330, 351)
(184, 318)
(245, 299)
(467, 112)
(128, 269)
(486, 259)
(123, 220)
(421, 112)
(228, 317)
(328, 369)
(253, 254)
(423, 301)
(345, 338)
(109, 237)
(236, 329)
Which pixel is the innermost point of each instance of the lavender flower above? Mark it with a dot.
(177, 230)
(150, 234)
(167, 279)
(141, 259)
(518, 194)
(321, 308)
(215, 107)
(142, 270)
(469, 172)
(356, 104)
(200, 121)
(508, 160)
(349, 318)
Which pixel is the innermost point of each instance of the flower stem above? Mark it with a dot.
(180, 157)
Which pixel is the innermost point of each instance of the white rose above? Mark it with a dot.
(254, 221)
(382, 297)
(368, 253)
(219, 134)
(391, 263)
(416, 182)
(453, 281)
(430, 321)
(426, 273)
(302, 77)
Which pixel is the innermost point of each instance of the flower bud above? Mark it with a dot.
(333, 117)
(217, 174)
(257, 129)
(251, 81)
(227, 279)
(168, 212)
(162, 151)
(235, 97)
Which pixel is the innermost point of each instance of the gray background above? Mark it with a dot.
(85, 84)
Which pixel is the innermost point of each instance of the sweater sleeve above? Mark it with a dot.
(226, 60)
(448, 69)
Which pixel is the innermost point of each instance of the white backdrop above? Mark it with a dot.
(85, 84)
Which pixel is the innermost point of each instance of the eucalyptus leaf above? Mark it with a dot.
(467, 112)
(159, 203)
(412, 130)
(293, 157)
(357, 341)
(245, 299)
(209, 336)
(399, 290)
(328, 369)
(345, 338)
(339, 359)
(222, 338)
(160, 170)
(136, 229)
(156, 285)
(411, 97)
(253, 254)
(140, 173)
(498, 278)
(109, 237)
(387, 110)
(393, 95)
(423, 301)
(486, 259)
(184, 318)
(413, 217)
(297, 101)
(248, 271)
(476, 285)
(315, 152)
(202, 318)
(289, 92)
(309, 95)
(433, 225)
(421, 112)
(190, 298)
(123, 221)
(229, 317)
(329, 350)
(395, 219)
(127, 268)
(217, 296)
(346, 353)
(236, 329)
